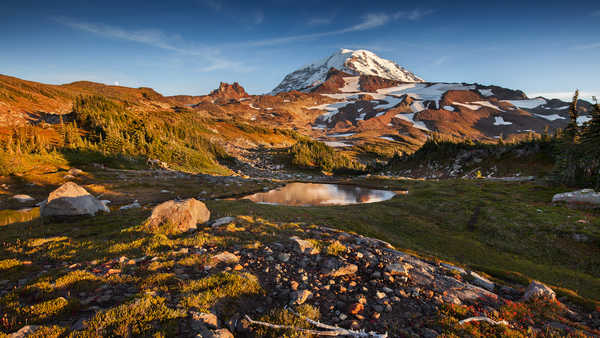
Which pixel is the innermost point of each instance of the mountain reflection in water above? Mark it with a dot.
(304, 194)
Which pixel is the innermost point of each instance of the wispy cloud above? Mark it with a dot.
(258, 17)
(595, 13)
(369, 21)
(587, 46)
(216, 5)
(319, 21)
(439, 61)
(414, 15)
(157, 38)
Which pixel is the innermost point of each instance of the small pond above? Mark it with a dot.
(316, 194)
(10, 216)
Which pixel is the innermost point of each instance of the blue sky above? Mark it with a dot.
(188, 47)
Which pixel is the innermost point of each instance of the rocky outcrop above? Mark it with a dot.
(71, 200)
(227, 91)
(585, 197)
(177, 216)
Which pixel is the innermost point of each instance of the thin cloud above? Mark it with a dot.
(319, 21)
(414, 15)
(216, 5)
(369, 21)
(259, 17)
(439, 61)
(595, 13)
(588, 46)
(156, 38)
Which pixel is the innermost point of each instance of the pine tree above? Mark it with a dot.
(590, 147)
(565, 167)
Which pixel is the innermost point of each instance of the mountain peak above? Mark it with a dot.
(355, 62)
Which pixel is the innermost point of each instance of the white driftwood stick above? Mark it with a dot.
(276, 326)
(484, 319)
(339, 329)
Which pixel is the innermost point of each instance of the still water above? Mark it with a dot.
(314, 194)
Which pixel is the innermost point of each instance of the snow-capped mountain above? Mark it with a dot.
(354, 62)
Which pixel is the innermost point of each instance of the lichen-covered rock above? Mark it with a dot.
(537, 290)
(71, 200)
(177, 216)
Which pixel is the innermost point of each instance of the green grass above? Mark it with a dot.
(517, 235)
(509, 234)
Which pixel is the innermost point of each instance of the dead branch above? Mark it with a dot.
(484, 319)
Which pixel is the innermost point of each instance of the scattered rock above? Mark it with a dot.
(224, 257)
(304, 246)
(300, 296)
(71, 200)
(397, 269)
(200, 319)
(134, 205)
(356, 308)
(347, 269)
(25, 331)
(222, 221)
(584, 196)
(537, 290)
(22, 198)
(178, 216)
(284, 257)
(220, 333)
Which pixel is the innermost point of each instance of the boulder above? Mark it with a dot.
(224, 257)
(134, 205)
(25, 331)
(222, 221)
(303, 246)
(201, 320)
(584, 196)
(178, 216)
(537, 290)
(23, 198)
(71, 200)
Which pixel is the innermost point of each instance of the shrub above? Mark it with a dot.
(314, 154)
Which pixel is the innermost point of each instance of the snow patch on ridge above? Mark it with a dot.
(527, 104)
(499, 121)
(550, 117)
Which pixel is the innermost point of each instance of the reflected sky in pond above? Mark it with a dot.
(9, 216)
(314, 194)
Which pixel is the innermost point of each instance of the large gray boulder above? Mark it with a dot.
(584, 196)
(178, 216)
(71, 200)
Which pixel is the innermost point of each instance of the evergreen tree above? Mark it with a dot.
(590, 147)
